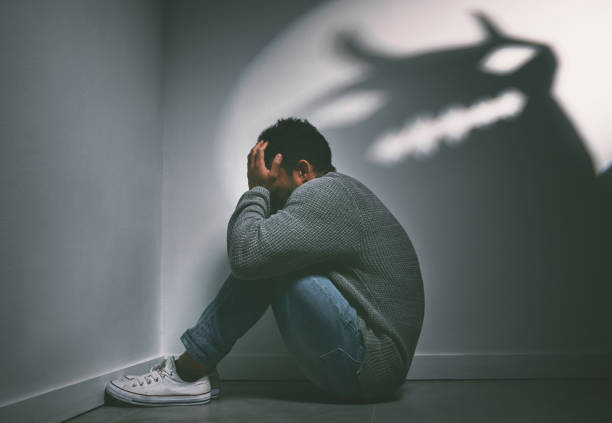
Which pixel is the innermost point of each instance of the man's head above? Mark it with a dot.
(306, 155)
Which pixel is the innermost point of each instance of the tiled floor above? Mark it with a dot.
(559, 401)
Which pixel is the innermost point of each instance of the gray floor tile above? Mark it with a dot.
(105, 414)
(474, 401)
(514, 401)
(243, 401)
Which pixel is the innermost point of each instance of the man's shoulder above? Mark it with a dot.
(333, 180)
(331, 187)
(353, 191)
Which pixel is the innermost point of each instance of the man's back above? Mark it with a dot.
(383, 282)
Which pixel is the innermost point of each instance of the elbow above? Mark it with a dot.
(244, 259)
(237, 271)
(238, 265)
(242, 269)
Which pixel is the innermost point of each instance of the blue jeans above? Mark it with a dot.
(317, 324)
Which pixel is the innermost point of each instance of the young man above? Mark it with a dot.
(337, 268)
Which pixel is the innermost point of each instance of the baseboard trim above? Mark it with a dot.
(440, 366)
(511, 366)
(75, 398)
(69, 400)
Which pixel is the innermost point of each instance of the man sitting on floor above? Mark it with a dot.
(337, 268)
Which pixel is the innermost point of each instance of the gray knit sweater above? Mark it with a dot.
(334, 225)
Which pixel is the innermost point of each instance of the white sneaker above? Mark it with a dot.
(163, 386)
(215, 384)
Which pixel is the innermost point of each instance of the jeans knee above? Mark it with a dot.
(297, 288)
(292, 296)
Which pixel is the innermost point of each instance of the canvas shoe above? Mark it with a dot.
(215, 384)
(163, 386)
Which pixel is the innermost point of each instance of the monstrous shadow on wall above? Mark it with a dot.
(509, 191)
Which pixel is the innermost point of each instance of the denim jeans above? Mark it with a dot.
(318, 326)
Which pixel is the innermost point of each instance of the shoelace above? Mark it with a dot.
(155, 375)
(148, 378)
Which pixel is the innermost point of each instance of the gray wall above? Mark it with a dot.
(506, 225)
(80, 175)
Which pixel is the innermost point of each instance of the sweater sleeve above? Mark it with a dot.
(319, 223)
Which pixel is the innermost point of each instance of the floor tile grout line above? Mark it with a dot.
(372, 416)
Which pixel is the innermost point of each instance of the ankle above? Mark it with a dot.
(189, 369)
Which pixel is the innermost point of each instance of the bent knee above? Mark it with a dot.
(295, 288)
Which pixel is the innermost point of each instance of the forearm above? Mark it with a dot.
(317, 224)
(246, 249)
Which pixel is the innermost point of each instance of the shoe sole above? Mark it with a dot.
(138, 399)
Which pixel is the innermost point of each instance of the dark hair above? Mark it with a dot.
(296, 139)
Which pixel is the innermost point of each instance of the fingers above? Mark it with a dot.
(250, 156)
(253, 153)
(259, 155)
(256, 159)
(275, 168)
